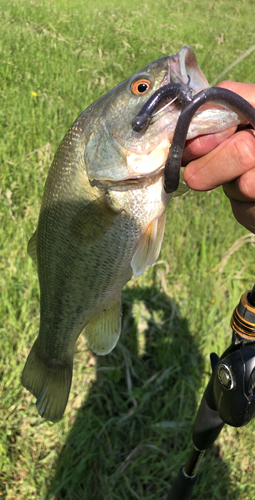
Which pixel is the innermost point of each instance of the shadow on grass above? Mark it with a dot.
(134, 430)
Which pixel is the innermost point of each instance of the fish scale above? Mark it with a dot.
(102, 219)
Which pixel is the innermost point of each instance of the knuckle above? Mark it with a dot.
(247, 185)
(226, 84)
(244, 147)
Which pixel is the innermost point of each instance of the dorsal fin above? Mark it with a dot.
(31, 248)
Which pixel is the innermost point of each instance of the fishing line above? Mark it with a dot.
(233, 64)
(164, 107)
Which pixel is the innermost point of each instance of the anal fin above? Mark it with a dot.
(103, 331)
(49, 381)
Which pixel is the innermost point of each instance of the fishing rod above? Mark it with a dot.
(229, 397)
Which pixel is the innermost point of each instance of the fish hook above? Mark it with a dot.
(172, 91)
(173, 162)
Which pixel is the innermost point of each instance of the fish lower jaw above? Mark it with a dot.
(129, 182)
(148, 164)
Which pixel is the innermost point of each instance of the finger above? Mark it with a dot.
(244, 214)
(200, 146)
(226, 162)
(243, 188)
(245, 90)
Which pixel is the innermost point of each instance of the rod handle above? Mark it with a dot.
(182, 487)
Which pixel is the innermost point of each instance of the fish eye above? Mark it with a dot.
(141, 86)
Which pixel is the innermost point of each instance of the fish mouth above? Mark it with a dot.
(211, 118)
(184, 69)
(135, 181)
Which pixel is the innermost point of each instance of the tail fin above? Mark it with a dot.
(49, 381)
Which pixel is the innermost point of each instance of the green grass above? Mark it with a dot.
(128, 424)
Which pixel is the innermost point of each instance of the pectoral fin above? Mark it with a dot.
(182, 189)
(149, 246)
(93, 221)
(103, 331)
(31, 248)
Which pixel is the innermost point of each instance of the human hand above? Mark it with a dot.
(227, 159)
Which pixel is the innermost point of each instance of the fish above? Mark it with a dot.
(102, 219)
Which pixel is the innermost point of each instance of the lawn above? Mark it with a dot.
(128, 424)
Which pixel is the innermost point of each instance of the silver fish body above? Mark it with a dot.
(102, 219)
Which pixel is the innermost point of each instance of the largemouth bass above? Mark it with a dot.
(102, 219)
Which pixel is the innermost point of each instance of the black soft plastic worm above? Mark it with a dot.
(170, 91)
(173, 162)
